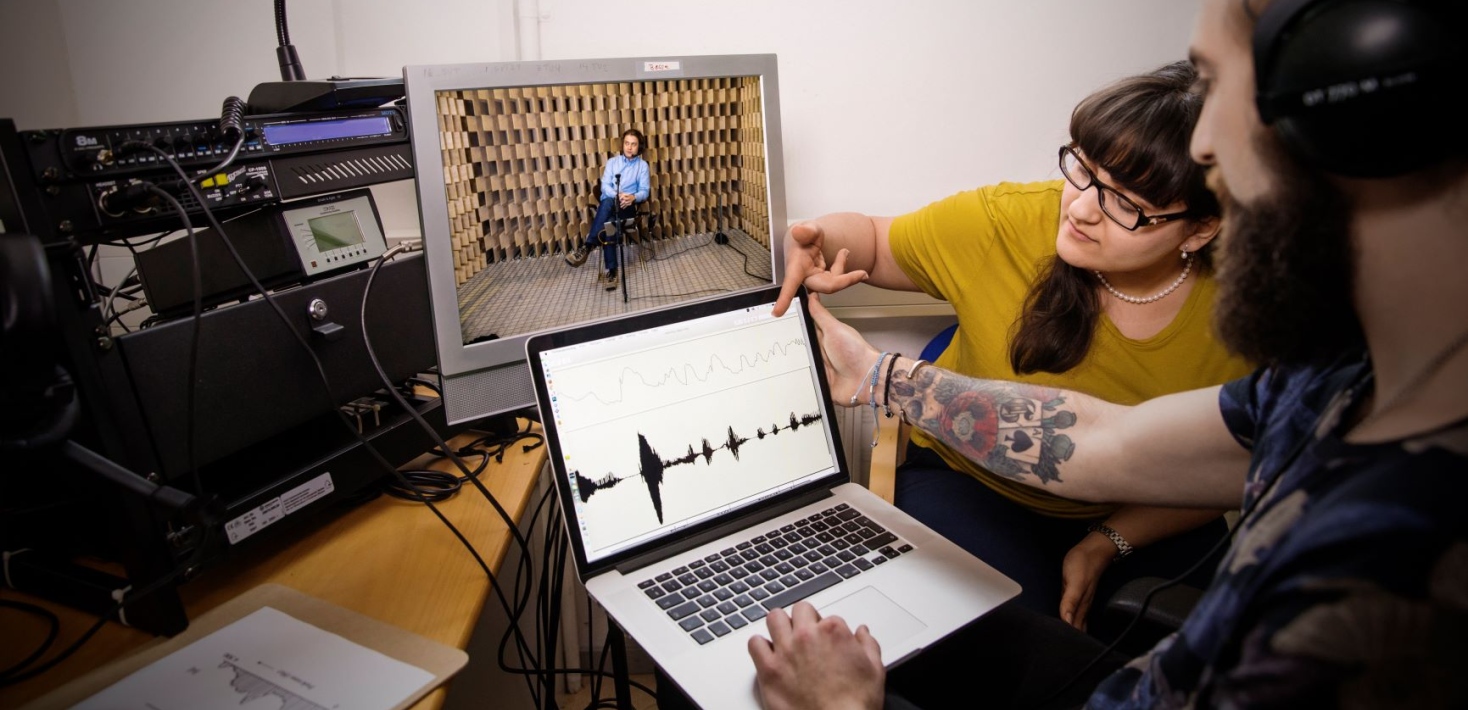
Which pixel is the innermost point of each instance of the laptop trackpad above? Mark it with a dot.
(888, 622)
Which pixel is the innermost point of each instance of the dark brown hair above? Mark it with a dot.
(641, 139)
(1138, 130)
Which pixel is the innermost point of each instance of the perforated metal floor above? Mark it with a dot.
(542, 292)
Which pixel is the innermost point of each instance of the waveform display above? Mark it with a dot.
(651, 466)
(687, 374)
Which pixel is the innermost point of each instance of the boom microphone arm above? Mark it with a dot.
(295, 93)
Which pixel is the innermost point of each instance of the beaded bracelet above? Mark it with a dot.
(872, 385)
(887, 391)
(856, 396)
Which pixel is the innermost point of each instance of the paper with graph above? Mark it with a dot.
(267, 659)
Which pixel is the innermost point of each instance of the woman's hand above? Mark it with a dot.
(1080, 572)
(849, 358)
(805, 263)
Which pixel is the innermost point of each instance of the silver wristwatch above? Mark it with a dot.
(1123, 548)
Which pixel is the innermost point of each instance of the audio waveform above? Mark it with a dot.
(651, 466)
(687, 373)
(253, 687)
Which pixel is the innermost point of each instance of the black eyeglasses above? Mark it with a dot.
(1116, 205)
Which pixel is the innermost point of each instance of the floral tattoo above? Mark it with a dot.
(1010, 429)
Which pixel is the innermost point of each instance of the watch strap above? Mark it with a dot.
(1123, 548)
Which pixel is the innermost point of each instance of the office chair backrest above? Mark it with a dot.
(938, 344)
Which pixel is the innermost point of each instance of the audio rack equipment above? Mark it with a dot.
(90, 177)
(281, 245)
(264, 428)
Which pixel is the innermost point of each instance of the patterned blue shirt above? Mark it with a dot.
(1347, 582)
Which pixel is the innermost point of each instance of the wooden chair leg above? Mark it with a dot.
(882, 477)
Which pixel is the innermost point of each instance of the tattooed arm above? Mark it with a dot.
(1170, 451)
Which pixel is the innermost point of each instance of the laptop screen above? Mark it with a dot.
(667, 421)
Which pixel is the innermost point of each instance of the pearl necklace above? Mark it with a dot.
(1187, 267)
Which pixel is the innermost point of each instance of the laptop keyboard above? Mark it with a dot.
(712, 596)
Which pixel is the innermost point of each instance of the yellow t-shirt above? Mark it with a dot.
(981, 250)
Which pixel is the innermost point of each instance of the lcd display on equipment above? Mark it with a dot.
(335, 231)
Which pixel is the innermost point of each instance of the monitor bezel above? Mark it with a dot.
(458, 360)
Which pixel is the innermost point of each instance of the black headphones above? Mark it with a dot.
(641, 140)
(1362, 87)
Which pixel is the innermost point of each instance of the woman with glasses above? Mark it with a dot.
(1099, 281)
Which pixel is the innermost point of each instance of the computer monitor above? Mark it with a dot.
(509, 159)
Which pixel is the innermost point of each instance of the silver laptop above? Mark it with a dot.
(702, 481)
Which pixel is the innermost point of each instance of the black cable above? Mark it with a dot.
(15, 675)
(326, 384)
(541, 616)
(411, 411)
(546, 601)
(231, 123)
(501, 444)
(435, 485)
(522, 601)
(146, 242)
(590, 639)
(498, 444)
(553, 606)
(1289, 461)
(193, 367)
(54, 630)
(522, 584)
(680, 295)
(746, 262)
(523, 589)
(601, 663)
(554, 522)
(522, 647)
(688, 294)
(685, 250)
(1141, 612)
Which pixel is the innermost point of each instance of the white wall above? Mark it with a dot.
(889, 105)
(886, 106)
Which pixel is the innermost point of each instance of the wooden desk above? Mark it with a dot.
(389, 559)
